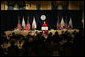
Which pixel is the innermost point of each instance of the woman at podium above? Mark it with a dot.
(44, 25)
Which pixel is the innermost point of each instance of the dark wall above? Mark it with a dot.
(9, 19)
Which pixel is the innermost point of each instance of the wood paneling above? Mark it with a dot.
(73, 5)
(2, 6)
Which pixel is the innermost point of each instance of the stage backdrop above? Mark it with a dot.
(9, 19)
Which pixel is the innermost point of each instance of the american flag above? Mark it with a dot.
(66, 25)
(58, 25)
(28, 24)
(19, 25)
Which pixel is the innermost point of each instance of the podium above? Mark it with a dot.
(44, 28)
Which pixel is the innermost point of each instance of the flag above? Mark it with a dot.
(23, 23)
(66, 25)
(70, 23)
(28, 24)
(34, 26)
(19, 25)
(58, 25)
(62, 23)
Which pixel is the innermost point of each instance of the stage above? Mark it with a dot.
(25, 33)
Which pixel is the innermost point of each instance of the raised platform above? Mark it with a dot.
(33, 31)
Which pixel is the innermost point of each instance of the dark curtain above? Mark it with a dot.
(9, 19)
